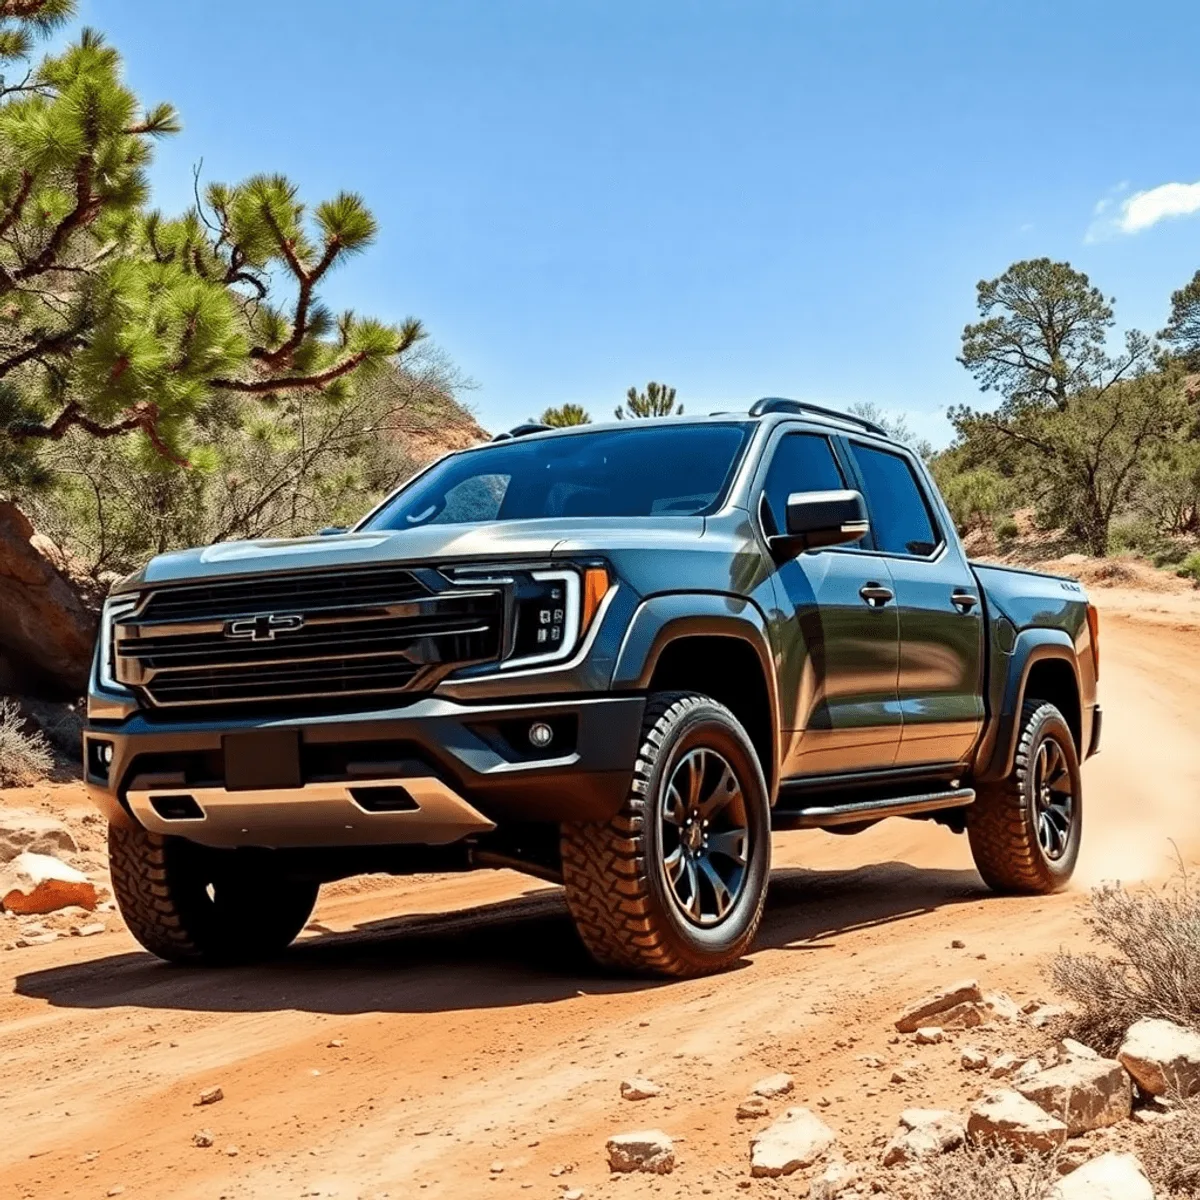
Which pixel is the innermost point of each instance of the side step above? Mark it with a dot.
(871, 810)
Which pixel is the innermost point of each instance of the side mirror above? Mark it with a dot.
(816, 519)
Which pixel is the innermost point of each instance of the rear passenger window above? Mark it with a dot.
(803, 462)
(900, 517)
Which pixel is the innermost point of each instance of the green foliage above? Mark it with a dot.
(896, 427)
(976, 496)
(1189, 568)
(566, 414)
(657, 400)
(1041, 335)
(1006, 529)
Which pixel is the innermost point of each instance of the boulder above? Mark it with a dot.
(1002, 1007)
(48, 632)
(973, 1059)
(752, 1107)
(833, 1181)
(919, 1014)
(40, 883)
(22, 830)
(1110, 1177)
(639, 1089)
(929, 1035)
(1085, 1093)
(774, 1085)
(924, 1133)
(1162, 1057)
(1070, 1048)
(648, 1150)
(1009, 1118)
(964, 1016)
(795, 1140)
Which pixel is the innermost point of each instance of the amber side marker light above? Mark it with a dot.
(1094, 630)
(595, 588)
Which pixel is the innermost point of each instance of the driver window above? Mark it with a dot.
(475, 499)
(803, 462)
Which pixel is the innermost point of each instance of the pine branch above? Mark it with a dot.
(14, 212)
(59, 343)
(142, 416)
(288, 383)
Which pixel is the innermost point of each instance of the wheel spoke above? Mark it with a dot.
(674, 864)
(696, 764)
(674, 809)
(723, 793)
(732, 844)
(721, 892)
(694, 906)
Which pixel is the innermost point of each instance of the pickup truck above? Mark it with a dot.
(614, 657)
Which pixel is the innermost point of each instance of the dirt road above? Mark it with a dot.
(446, 1037)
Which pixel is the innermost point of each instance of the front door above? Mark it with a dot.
(841, 653)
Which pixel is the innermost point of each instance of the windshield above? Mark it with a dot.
(676, 470)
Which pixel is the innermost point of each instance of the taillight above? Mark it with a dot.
(1094, 630)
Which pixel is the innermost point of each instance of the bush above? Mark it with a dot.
(1190, 567)
(990, 1173)
(25, 758)
(1171, 1155)
(1155, 971)
(1007, 529)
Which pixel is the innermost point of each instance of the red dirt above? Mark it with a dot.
(473, 1032)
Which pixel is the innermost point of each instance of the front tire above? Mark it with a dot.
(188, 904)
(675, 883)
(1025, 831)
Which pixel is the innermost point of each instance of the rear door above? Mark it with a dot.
(840, 647)
(940, 610)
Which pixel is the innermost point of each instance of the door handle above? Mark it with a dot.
(964, 601)
(875, 594)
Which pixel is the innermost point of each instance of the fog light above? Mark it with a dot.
(540, 735)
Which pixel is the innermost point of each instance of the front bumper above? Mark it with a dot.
(467, 767)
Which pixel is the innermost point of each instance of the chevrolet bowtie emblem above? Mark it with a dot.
(263, 628)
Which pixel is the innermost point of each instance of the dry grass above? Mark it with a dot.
(1171, 1156)
(990, 1173)
(1155, 970)
(25, 758)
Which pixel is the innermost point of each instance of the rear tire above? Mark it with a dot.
(675, 883)
(189, 904)
(1025, 831)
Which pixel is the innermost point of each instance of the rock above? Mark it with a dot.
(918, 1014)
(958, 944)
(1028, 1069)
(1003, 1065)
(1070, 1048)
(202, 1138)
(497, 1168)
(42, 938)
(89, 930)
(964, 1016)
(1047, 1014)
(774, 1085)
(639, 1089)
(232, 1151)
(751, 1107)
(40, 883)
(1002, 1007)
(1085, 1093)
(650, 1150)
(571, 1193)
(47, 634)
(210, 1096)
(21, 830)
(929, 1035)
(1009, 1118)
(973, 1059)
(795, 1140)
(833, 1181)
(924, 1133)
(1110, 1177)
(1163, 1058)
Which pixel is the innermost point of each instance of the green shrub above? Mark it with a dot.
(25, 758)
(1006, 529)
(1190, 567)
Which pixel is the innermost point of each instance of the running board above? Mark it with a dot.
(871, 810)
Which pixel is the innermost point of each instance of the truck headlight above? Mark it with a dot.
(115, 607)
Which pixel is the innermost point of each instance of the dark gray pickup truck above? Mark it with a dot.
(613, 657)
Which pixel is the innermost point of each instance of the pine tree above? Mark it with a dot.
(657, 400)
(566, 414)
(114, 319)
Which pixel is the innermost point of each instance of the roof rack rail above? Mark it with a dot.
(521, 431)
(772, 404)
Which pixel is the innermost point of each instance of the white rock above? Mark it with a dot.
(40, 883)
(924, 1133)
(1003, 1065)
(648, 1150)
(1070, 1048)
(774, 1085)
(1047, 1014)
(1002, 1006)
(1110, 1177)
(210, 1096)
(973, 1059)
(1085, 1093)
(1164, 1058)
(752, 1107)
(639, 1089)
(929, 1035)
(795, 1140)
(1028, 1069)
(21, 830)
(1008, 1117)
(833, 1181)
(918, 1014)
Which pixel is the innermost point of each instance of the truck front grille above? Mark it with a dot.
(317, 636)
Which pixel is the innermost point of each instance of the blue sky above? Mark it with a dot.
(740, 197)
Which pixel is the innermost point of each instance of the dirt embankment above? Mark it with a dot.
(446, 1036)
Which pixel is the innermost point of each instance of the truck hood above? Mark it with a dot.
(505, 540)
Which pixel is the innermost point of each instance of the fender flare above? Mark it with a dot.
(661, 620)
(994, 759)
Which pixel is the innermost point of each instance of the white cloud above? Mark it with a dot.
(1144, 209)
